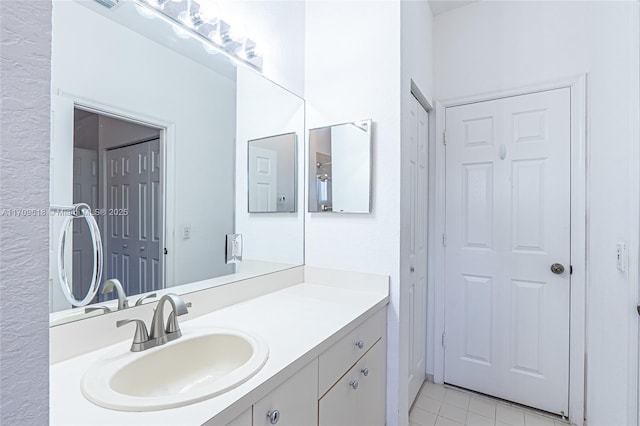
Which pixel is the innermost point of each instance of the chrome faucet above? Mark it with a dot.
(110, 285)
(161, 333)
(171, 331)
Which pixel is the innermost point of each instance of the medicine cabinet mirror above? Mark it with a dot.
(272, 171)
(150, 129)
(340, 168)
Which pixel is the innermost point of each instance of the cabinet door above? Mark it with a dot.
(296, 401)
(358, 398)
(244, 419)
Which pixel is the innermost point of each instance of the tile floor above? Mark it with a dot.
(438, 405)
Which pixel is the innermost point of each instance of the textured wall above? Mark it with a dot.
(25, 54)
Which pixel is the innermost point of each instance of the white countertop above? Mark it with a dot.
(299, 323)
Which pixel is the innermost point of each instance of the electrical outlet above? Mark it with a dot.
(233, 248)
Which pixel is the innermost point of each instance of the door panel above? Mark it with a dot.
(507, 221)
(134, 239)
(417, 250)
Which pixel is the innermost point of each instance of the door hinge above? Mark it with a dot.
(570, 269)
(444, 137)
(443, 341)
(444, 240)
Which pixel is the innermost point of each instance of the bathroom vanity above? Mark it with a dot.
(326, 337)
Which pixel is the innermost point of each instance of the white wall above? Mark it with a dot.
(417, 65)
(491, 46)
(352, 72)
(161, 84)
(25, 52)
(265, 109)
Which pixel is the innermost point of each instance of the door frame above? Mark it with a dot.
(167, 149)
(579, 237)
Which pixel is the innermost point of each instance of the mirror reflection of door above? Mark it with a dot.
(85, 190)
(263, 179)
(118, 172)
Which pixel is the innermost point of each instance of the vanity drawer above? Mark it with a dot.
(335, 361)
(358, 398)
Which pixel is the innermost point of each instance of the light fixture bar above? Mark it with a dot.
(218, 39)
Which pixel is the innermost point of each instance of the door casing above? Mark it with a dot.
(167, 150)
(577, 304)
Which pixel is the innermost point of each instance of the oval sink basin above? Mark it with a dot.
(200, 365)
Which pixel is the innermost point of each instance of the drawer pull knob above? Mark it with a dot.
(273, 416)
(365, 371)
(360, 344)
(354, 384)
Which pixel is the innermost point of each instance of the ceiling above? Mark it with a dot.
(442, 6)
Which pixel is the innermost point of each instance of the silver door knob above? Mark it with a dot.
(412, 269)
(354, 384)
(125, 245)
(141, 248)
(360, 344)
(273, 416)
(557, 268)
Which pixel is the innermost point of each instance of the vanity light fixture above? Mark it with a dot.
(201, 20)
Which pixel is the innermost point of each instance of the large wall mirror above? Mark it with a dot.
(152, 131)
(340, 168)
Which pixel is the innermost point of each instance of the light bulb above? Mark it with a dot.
(209, 11)
(238, 32)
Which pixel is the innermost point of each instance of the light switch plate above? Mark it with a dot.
(621, 257)
(186, 232)
(233, 253)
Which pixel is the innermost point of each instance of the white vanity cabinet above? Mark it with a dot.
(293, 403)
(358, 398)
(344, 385)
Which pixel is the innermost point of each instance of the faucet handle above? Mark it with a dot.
(172, 321)
(141, 335)
(105, 309)
(143, 298)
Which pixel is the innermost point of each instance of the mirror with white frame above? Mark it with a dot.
(272, 166)
(340, 168)
(151, 129)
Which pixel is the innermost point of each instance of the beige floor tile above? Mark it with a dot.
(422, 418)
(428, 404)
(434, 391)
(509, 415)
(483, 407)
(443, 421)
(451, 412)
(535, 420)
(457, 398)
(474, 419)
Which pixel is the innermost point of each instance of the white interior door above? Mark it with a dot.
(134, 230)
(507, 222)
(263, 180)
(417, 253)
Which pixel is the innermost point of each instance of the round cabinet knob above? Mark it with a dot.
(412, 269)
(273, 416)
(354, 384)
(557, 268)
(365, 372)
(141, 248)
(360, 344)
